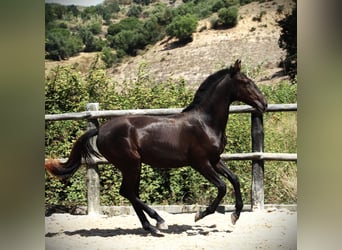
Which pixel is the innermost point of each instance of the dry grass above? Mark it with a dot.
(289, 183)
(81, 62)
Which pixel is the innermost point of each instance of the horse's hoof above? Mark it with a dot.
(155, 232)
(198, 216)
(162, 226)
(152, 230)
(234, 217)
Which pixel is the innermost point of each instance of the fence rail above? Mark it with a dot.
(257, 156)
(112, 113)
(226, 157)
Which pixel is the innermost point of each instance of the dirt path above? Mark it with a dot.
(272, 229)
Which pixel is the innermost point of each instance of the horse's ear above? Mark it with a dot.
(236, 68)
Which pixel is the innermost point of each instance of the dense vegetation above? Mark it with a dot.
(119, 28)
(288, 41)
(69, 91)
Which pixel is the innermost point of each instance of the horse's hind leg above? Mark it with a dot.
(151, 212)
(222, 169)
(129, 189)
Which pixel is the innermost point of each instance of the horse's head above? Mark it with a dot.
(246, 90)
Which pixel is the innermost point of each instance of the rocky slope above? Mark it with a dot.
(254, 40)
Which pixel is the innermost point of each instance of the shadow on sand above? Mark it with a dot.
(173, 229)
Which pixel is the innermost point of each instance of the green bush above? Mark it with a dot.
(288, 41)
(108, 57)
(91, 42)
(228, 17)
(95, 27)
(163, 14)
(182, 27)
(60, 44)
(217, 5)
(131, 34)
(65, 91)
(130, 23)
(152, 30)
(134, 11)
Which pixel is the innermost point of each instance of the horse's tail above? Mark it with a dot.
(81, 148)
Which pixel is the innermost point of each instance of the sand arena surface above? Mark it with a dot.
(269, 229)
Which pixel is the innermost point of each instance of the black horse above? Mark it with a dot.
(195, 137)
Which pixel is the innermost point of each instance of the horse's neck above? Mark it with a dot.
(217, 105)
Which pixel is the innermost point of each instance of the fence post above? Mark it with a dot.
(257, 190)
(93, 179)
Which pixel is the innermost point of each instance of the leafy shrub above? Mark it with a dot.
(128, 41)
(131, 34)
(152, 30)
(228, 17)
(108, 57)
(217, 5)
(182, 27)
(129, 23)
(163, 14)
(134, 11)
(288, 41)
(91, 43)
(61, 44)
(143, 2)
(95, 28)
(185, 9)
(65, 91)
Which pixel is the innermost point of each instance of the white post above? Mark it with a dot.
(93, 179)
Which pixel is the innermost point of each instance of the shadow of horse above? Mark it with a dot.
(173, 229)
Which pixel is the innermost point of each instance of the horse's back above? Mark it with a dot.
(160, 141)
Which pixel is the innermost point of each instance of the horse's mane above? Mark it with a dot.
(206, 86)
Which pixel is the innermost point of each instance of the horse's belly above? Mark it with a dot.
(164, 158)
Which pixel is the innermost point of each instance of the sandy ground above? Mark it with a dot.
(270, 229)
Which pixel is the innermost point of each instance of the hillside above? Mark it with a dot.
(255, 42)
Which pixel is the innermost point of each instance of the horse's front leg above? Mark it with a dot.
(211, 175)
(222, 169)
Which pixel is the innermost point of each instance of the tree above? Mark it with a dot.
(91, 42)
(142, 2)
(129, 41)
(228, 17)
(61, 44)
(129, 23)
(217, 5)
(152, 30)
(163, 13)
(288, 41)
(127, 36)
(73, 9)
(108, 57)
(134, 11)
(182, 27)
